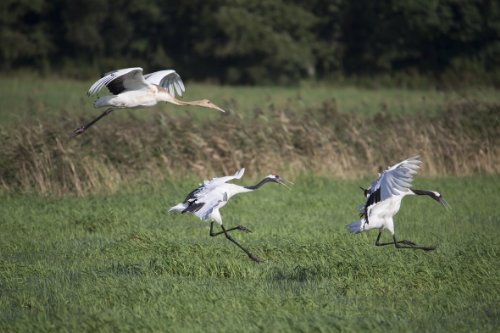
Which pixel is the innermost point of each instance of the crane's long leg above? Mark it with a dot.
(82, 129)
(394, 242)
(239, 227)
(410, 244)
(228, 236)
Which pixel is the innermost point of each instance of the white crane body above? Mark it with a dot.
(135, 98)
(380, 216)
(217, 198)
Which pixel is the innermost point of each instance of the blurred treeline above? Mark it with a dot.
(256, 42)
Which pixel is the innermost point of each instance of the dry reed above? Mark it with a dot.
(461, 140)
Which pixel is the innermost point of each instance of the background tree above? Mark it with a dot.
(254, 42)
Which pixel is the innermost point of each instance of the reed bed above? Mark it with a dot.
(462, 139)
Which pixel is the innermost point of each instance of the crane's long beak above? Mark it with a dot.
(444, 203)
(218, 108)
(283, 182)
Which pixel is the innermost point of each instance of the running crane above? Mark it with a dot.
(383, 200)
(131, 89)
(206, 201)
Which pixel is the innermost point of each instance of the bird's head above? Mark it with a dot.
(439, 198)
(277, 179)
(208, 104)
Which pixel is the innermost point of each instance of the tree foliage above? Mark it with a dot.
(251, 41)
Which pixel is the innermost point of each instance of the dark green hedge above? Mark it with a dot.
(250, 41)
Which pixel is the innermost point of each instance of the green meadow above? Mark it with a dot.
(38, 99)
(120, 262)
(79, 257)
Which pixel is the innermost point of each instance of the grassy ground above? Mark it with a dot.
(40, 98)
(121, 263)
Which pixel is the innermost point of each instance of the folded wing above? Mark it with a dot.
(205, 196)
(209, 204)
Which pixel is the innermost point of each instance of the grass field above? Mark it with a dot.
(86, 243)
(121, 263)
(35, 98)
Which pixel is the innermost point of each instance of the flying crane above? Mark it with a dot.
(131, 89)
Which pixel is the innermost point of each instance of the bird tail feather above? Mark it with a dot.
(179, 208)
(356, 227)
(239, 173)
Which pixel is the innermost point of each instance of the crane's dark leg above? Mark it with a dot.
(239, 227)
(82, 129)
(228, 236)
(410, 244)
(394, 242)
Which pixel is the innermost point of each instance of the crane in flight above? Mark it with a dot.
(131, 89)
(206, 200)
(383, 200)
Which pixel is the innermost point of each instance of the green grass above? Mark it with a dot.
(121, 263)
(35, 98)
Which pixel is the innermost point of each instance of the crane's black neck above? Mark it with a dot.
(259, 184)
(424, 192)
(421, 192)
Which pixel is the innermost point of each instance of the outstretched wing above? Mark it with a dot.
(214, 182)
(167, 79)
(119, 81)
(395, 180)
(196, 198)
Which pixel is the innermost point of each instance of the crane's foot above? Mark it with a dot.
(254, 258)
(78, 131)
(415, 247)
(243, 228)
(406, 242)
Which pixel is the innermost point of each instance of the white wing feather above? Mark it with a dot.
(209, 204)
(209, 185)
(132, 80)
(209, 193)
(167, 79)
(396, 179)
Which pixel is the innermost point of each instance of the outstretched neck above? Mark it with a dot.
(423, 192)
(192, 103)
(434, 195)
(166, 97)
(259, 184)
